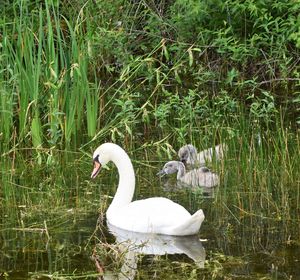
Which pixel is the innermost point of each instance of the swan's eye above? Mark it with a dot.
(96, 159)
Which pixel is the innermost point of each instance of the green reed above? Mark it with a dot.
(56, 97)
(7, 100)
(83, 74)
(45, 62)
(259, 173)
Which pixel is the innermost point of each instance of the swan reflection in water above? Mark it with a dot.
(133, 244)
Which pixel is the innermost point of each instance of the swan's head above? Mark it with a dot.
(102, 155)
(171, 167)
(186, 152)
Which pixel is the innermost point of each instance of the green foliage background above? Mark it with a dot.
(151, 76)
(119, 69)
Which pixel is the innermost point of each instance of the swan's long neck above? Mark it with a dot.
(126, 184)
(181, 170)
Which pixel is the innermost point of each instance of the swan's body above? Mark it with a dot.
(188, 154)
(153, 215)
(201, 177)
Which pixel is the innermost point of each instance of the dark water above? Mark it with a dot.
(52, 226)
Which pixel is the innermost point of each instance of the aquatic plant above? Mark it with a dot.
(109, 70)
(151, 76)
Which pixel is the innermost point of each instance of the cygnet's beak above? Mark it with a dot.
(96, 170)
(161, 173)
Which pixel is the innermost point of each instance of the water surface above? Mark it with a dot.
(53, 225)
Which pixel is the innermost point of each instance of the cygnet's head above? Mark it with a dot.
(170, 168)
(186, 152)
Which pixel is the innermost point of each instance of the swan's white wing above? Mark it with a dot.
(150, 215)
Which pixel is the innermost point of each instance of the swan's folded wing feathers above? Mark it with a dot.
(155, 214)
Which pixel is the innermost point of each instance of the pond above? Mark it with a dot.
(53, 220)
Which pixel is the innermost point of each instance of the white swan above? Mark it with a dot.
(188, 154)
(201, 177)
(153, 215)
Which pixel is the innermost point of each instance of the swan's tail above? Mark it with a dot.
(191, 226)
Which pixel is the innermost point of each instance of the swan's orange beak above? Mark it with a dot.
(97, 167)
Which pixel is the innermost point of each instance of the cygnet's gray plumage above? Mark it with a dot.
(188, 154)
(201, 177)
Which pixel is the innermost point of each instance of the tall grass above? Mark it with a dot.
(260, 187)
(45, 63)
(112, 71)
